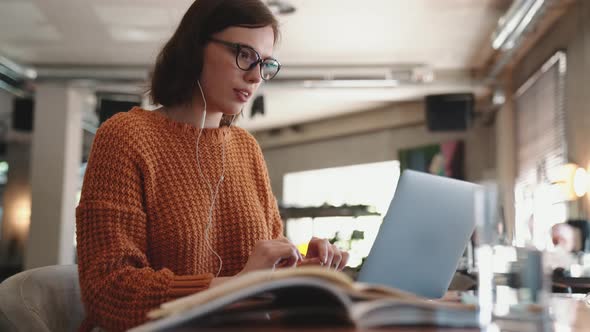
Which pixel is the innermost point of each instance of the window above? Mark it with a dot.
(366, 184)
(541, 149)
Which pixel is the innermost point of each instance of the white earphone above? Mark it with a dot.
(212, 195)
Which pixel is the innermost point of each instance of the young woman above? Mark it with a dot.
(172, 202)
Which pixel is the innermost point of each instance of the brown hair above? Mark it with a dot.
(179, 64)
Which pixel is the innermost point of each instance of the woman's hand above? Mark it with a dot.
(321, 252)
(269, 254)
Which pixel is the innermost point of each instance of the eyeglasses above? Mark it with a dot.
(247, 58)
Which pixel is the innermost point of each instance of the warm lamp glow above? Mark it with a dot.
(580, 182)
(571, 180)
(22, 216)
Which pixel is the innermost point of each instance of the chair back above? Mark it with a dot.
(44, 299)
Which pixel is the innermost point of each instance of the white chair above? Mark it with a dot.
(45, 299)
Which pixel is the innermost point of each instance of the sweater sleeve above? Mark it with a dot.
(117, 283)
(273, 216)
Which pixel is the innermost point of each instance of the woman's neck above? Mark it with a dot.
(192, 114)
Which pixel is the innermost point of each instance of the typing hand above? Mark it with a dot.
(268, 254)
(310, 262)
(321, 252)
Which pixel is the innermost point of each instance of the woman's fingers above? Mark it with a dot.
(286, 255)
(319, 248)
(282, 253)
(344, 260)
(328, 254)
(286, 241)
(310, 261)
(268, 254)
(336, 257)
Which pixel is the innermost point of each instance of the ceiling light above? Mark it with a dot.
(132, 34)
(515, 22)
(499, 97)
(508, 23)
(16, 71)
(350, 83)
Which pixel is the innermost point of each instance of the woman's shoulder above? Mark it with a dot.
(244, 137)
(125, 120)
(131, 123)
(129, 129)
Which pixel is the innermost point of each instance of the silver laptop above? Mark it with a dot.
(423, 234)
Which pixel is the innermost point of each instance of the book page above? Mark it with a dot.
(337, 279)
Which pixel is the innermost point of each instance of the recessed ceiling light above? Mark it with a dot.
(132, 34)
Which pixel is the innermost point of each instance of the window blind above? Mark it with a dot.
(540, 143)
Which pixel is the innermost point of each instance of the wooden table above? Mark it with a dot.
(581, 323)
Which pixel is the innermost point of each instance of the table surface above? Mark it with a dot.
(574, 314)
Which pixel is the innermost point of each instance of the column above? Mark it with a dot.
(506, 157)
(56, 157)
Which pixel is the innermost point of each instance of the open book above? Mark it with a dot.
(306, 296)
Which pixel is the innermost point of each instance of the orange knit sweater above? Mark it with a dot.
(142, 215)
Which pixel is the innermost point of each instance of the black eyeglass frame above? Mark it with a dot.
(238, 47)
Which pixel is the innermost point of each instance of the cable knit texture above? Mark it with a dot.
(142, 215)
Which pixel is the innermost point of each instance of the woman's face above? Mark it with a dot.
(227, 88)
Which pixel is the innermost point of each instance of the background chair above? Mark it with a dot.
(45, 299)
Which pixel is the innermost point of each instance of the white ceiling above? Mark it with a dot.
(439, 34)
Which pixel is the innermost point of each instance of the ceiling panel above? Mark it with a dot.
(439, 34)
(137, 15)
(15, 13)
